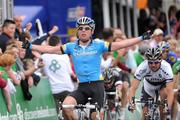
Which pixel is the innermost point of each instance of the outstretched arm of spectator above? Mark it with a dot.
(6, 93)
(7, 96)
(123, 67)
(13, 77)
(38, 41)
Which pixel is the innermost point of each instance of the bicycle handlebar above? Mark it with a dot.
(80, 106)
(150, 101)
(110, 93)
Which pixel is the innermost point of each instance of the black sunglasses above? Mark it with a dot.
(153, 62)
(84, 28)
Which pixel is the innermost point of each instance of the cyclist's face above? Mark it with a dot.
(84, 33)
(154, 65)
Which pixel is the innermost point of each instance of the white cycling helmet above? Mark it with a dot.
(153, 54)
(85, 21)
(110, 73)
(164, 45)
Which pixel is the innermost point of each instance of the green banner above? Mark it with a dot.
(40, 107)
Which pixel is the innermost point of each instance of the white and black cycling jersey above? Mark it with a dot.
(154, 80)
(164, 74)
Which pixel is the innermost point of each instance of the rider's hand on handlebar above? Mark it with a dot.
(132, 105)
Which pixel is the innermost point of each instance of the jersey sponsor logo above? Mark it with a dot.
(80, 53)
(154, 79)
(164, 72)
(162, 83)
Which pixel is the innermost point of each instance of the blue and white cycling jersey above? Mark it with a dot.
(87, 60)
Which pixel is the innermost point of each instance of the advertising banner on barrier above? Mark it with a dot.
(40, 107)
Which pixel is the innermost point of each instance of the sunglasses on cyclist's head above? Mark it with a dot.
(154, 62)
(84, 28)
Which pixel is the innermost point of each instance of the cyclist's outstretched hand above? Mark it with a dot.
(146, 35)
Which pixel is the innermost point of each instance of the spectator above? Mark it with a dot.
(178, 34)
(6, 93)
(59, 72)
(19, 29)
(38, 41)
(152, 19)
(119, 55)
(162, 22)
(8, 30)
(172, 17)
(24, 73)
(157, 37)
(7, 61)
(139, 55)
(142, 21)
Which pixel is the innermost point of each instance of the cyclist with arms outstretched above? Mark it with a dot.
(86, 55)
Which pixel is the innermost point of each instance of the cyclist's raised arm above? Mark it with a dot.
(124, 43)
(47, 49)
(42, 48)
(130, 42)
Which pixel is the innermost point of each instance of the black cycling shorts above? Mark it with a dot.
(94, 90)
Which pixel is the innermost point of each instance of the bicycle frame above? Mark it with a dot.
(108, 114)
(153, 108)
(153, 112)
